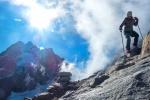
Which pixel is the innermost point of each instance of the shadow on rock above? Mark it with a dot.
(57, 89)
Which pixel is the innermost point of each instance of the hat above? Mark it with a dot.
(129, 14)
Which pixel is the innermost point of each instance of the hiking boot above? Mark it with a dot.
(135, 51)
(134, 47)
(128, 51)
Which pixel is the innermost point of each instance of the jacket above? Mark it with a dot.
(128, 23)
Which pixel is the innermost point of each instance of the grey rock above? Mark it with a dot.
(127, 81)
(43, 96)
(64, 79)
(64, 74)
(99, 80)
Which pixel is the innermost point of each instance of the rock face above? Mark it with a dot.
(125, 82)
(146, 45)
(64, 78)
(22, 66)
(58, 88)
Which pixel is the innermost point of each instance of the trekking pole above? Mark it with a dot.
(123, 44)
(140, 32)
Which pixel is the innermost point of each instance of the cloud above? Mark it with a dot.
(72, 67)
(18, 20)
(99, 28)
(39, 15)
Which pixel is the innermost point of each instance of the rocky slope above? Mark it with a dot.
(24, 66)
(126, 79)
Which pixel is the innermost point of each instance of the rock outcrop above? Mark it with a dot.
(23, 66)
(146, 46)
(58, 88)
(124, 83)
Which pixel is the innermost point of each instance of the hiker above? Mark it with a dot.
(128, 24)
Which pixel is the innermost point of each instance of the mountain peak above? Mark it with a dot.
(29, 43)
(19, 43)
(26, 65)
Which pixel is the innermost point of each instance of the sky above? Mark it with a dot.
(84, 32)
(61, 36)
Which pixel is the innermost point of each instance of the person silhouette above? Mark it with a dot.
(128, 24)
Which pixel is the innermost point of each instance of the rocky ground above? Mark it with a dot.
(127, 81)
(123, 81)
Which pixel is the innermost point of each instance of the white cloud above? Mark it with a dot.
(18, 20)
(39, 15)
(71, 67)
(100, 28)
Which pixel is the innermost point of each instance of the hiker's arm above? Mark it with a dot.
(120, 28)
(136, 21)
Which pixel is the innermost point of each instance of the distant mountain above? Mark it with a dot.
(23, 66)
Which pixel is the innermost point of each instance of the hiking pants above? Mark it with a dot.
(128, 37)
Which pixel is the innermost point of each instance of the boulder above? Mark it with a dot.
(54, 88)
(146, 46)
(64, 79)
(26, 98)
(99, 80)
(51, 88)
(43, 96)
(135, 51)
(72, 86)
(58, 89)
(64, 74)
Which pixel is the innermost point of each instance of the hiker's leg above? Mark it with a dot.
(136, 37)
(128, 41)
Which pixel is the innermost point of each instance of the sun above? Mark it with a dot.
(41, 18)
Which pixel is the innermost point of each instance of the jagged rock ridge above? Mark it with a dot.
(23, 66)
